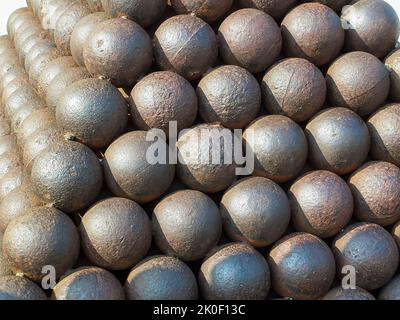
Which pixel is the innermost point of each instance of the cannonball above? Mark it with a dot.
(186, 224)
(29, 43)
(128, 172)
(234, 271)
(358, 81)
(391, 291)
(73, 180)
(384, 128)
(275, 8)
(8, 161)
(115, 233)
(279, 147)
(321, 203)
(41, 48)
(39, 64)
(200, 165)
(229, 95)
(255, 210)
(162, 97)
(93, 112)
(118, 50)
(19, 288)
(11, 180)
(186, 45)
(294, 88)
(314, 32)
(17, 15)
(161, 278)
(20, 98)
(372, 26)
(392, 62)
(338, 140)
(376, 192)
(371, 250)
(208, 10)
(37, 120)
(12, 85)
(302, 267)
(143, 12)
(81, 33)
(251, 39)
(24, 112)
(336, 5)
(44, 236)
(338, 293)
(89, 283)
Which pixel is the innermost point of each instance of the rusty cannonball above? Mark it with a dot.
(314, 32)
(229, 95)
(371, 250)
(384, 128)
(338, 293)
(358, 81)
(336, 5)
(234, 271)
(115, 233)
(89, 283)
(279, 147)
(143, 12)
(186, 224)
(250, 38)
(391, 291)
(321, 203)
(81, 33)
(93, 112)
(200, 167)
(161, 278)
(294, 88)
(118, 50)
(19, 288)
(376, 192)
(37, 120)
(392, 62)
(371, 26)
(130, 173)
(44, 236)
(186, 45)
(255, 210)
(162, 97)
(208, 10)
(338, 140)
(275, 8)
(72, 181)
(302, 267)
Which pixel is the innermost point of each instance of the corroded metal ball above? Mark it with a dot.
(115, 233)
(19, 288)
(208, 10)
(186, 224)
(314, 32)
(279, 147)
(128, 172)
(249, 38)
(372, 26)
(89, 283)
(376, 192)
(358, 81)
(235, 271)
(162, 97)
(302, 267)
(44, 236)
(255, 210)
(391, 291)
(37, 120)
(72, 181)
(275, 8)
(185, 44)
(384, 128)
(200, 166)
(338, 139)
(11, 180)
(371, 250)
(229, 95)
(321, 203)
(338, 293)
(392, 62)
(119, 50)
(9, 161)
(294, 88)
(161, 278)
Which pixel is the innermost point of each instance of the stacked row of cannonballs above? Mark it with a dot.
(82, 83)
